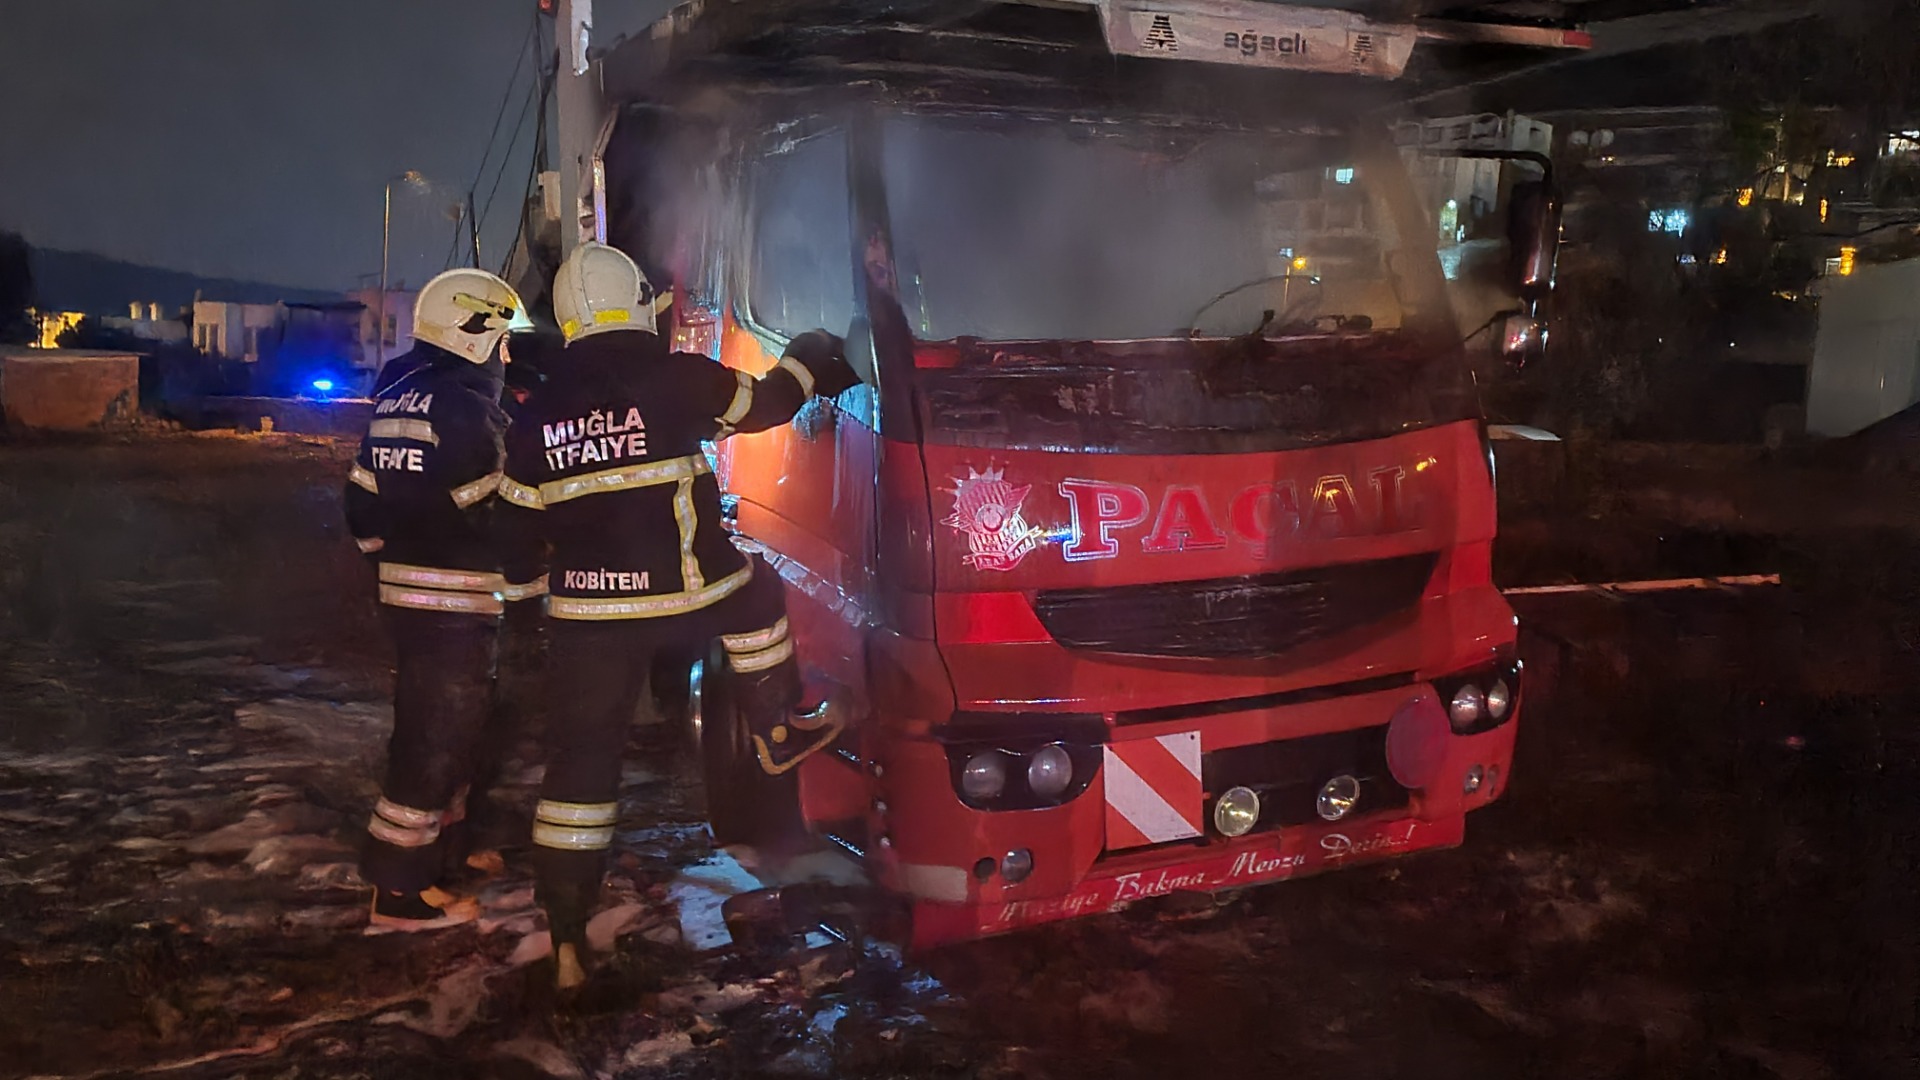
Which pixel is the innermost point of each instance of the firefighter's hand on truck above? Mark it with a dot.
(824, 355)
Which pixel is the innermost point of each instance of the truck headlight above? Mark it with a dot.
(1338, 797)
(1016, 865)
(1050, 771)
(985, 775)
(1480, 699)
(1499, 699)
(1467, 707)
(1236, 811)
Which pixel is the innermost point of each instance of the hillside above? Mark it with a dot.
(78, 281)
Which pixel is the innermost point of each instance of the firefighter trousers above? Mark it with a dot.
(445, 726)
(599, 672)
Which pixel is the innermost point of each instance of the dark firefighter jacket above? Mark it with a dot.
(607, 487)
(417, 494)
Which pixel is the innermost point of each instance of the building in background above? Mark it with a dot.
(1460, 193)
(315, 350)
(398, 332)
(232, 331)
(147, 321)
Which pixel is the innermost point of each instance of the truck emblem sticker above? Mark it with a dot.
(986, 509)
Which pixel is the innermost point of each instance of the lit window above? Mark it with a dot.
(1846, 261)
(1343, 176)
(1823, 211)
(1672, 221)
(1746, 196)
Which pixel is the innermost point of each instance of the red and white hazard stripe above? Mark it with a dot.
(1153, 790)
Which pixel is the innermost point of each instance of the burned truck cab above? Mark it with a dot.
(1153, 554)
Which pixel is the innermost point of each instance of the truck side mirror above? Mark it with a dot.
(1533, 239)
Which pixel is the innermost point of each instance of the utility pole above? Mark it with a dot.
(473, 229)
(413, 179)
(380, 320)
(580, 111)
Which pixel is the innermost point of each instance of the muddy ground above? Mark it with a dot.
(1705, 865)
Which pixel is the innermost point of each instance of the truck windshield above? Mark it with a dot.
(1019, 230)
(1164, 290)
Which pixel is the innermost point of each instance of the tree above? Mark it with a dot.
(16, 290)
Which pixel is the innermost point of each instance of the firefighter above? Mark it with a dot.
(416, 500)
(609, 494)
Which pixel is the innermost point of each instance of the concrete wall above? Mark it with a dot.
(67, 390)
(343, 417)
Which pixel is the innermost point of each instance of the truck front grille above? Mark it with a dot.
(1237, 618)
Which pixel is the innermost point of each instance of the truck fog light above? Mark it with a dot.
(1475, 777)
(1466, 708)
(1499, 699)
(1016, 865)
(1236, 811)
(1049, 771)
(1338, 797)
(985, 776)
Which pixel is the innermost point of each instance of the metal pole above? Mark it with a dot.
(578, 112)
(380, 327)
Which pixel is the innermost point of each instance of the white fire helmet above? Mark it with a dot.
(598, 289)
(467, 312)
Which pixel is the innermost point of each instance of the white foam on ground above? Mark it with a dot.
(698, 891)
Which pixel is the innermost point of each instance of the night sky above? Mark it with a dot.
(251, 138)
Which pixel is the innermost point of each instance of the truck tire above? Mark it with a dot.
(744, 804)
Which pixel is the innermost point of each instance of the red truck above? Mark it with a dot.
(1153, 554)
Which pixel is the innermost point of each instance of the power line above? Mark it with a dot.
(453, 248)
(533, 171)
(500, 112)
(506, 158)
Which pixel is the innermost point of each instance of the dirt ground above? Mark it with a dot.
(1705, 865)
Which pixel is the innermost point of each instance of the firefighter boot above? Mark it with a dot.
(465, 865)
(413, 912)
(784, 732)
(568, 900)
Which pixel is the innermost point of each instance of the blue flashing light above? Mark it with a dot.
(323, 385)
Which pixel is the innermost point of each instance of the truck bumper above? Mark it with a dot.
(946, 857)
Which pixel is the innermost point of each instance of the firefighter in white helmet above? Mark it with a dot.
(611, 498)
(417, 500)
